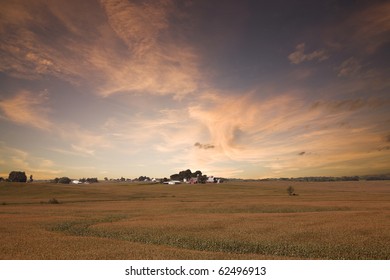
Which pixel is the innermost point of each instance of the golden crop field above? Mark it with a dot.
(233, 220)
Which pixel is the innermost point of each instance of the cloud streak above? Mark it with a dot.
(349, 67)
(131, 52)
(27, 108)
(138, 25)
(273, 132)
(367, 28)
(17, 159)
(142, 83)
(154, 64)
(299, 55)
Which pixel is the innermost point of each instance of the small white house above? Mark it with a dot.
(76, 182)
(174, 182)
(210, 179)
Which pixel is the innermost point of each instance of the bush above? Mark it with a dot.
(64, 180)
(17, 176)
(92, 180)
(53, 201)
(290, 190)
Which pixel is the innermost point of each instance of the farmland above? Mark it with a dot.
(233, 220)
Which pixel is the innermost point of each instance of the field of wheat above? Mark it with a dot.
(233, 220)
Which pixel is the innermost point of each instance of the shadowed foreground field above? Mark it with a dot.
(257, 220)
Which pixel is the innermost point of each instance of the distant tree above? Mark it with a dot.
(31, 178)
(186, 174)
(377, 177)
(2, 179)
(92, 180)
(143, 178)
(64, 180)
(175, 177)
(55, 180)
(202, 179)
(197, 173)
(105, 179)
(17, 176)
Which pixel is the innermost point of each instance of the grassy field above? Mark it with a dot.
(254, 220)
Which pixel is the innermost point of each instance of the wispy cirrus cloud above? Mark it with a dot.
(32, 110)
(276, 132)
(349, 68)
(125, 48)
(81, 141)
(156, 64)
(365, 29)
(18, 159)
(147, 56)
(27, 108)
(348, 105)
(138, 25)
(299, 55)
(26, 51)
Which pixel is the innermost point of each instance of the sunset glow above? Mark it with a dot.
(244, 89)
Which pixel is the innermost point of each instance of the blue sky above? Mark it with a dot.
(248, 89)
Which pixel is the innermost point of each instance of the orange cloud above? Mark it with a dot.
(138, 25)
(371, 25)
(365, 30)
(82, 141)
(27, 109)
(274, 132)
(299, 55)
(132, 51)
(349, 67)
(154, 64)
(17, 159)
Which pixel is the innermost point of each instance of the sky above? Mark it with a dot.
(235, 88)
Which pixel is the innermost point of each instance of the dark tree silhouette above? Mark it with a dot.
(64, 180)
(17, 176)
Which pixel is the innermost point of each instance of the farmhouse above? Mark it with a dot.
(210, 179)
(193, 180)
(213, 179)
(173, 182)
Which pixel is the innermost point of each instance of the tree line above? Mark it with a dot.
(67, 180)
(17, 176)
(186, 175)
